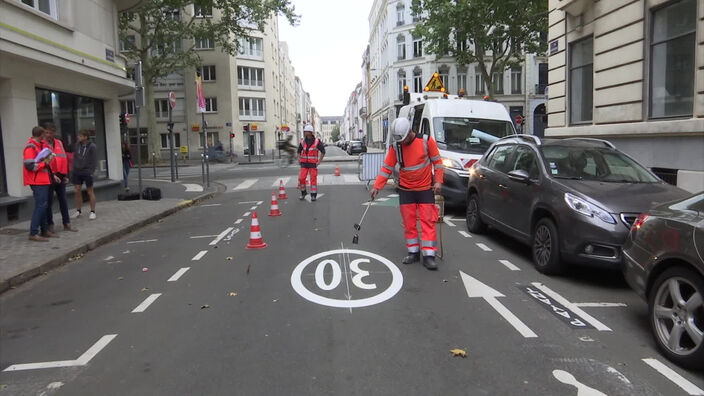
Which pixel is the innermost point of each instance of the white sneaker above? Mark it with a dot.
(76, 214)
(92, 216)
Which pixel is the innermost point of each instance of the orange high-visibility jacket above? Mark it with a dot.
(60, 163)
(419, 159)
(309, 155)
(34, 173)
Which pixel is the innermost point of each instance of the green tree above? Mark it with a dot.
(162, 34)
(335, 134)
(494, 34)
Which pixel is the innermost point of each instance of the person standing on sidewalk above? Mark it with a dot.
(36, 173)
(418, 157)
(84, 163)
(59, 173)
(308, 151)
(126, 163)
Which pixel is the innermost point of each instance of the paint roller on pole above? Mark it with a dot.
(358, 226)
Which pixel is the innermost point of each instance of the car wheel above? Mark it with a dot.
(546, 247)
(475, 224)
(676, 313)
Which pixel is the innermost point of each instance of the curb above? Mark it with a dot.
(97, 242)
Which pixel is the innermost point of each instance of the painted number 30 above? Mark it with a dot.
(357, 279)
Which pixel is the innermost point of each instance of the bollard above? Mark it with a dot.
(176, 160)
(154, 164)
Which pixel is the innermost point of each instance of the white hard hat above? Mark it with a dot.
(308, 128)
(400, 128)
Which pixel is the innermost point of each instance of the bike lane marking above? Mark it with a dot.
(146, 303)
(220, 236)
(199, 255)
(82, 360)
(677, 379)
(178, 274)
(572, 307)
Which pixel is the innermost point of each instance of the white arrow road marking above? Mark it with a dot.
(245, 184)
(199, 255)
(146, 303)
(600, 305)
(509, 265)
(178, 274)
(582, 390)
(670, 374)
(193, 187)
(588, 318)
(465, 234)
(283, 179)
(81, 361)
(221, 236)
(484, 247)
(476, 289)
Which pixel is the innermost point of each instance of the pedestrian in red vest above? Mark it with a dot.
(311, 152)
(36, 173)
(59, 170)
(420, 178)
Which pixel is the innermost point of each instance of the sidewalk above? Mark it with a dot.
(21, 259)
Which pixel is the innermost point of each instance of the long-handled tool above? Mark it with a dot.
(358, 226)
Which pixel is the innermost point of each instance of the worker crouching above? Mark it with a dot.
(420, 164)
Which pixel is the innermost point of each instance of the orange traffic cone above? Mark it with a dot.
(337, 170)
(274, 205)
(282, 190)
(255, 234)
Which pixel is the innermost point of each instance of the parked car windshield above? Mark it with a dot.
(469, 135)
(590, 163)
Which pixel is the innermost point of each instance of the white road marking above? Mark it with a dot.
(178, 274)
(230, 235)
(446, 220)
(221, 236)
(484, 247)
(81, 361)
(582, 389)
(238, 221)
(245, 184)
(392, 195)
(193, 187)
(260, 202)
(588, 318)
(250, 202)
(199, 255)
(246, 214)
(382, 199)
(351, 178)
(465, 234)
(600, 305)
(108, 258)
(284, 180)
(509, 265)
(210, 205)
(146, 303)
(670, 374)
(144, 241)
(203, 236)
(475, 289)
(253, 208)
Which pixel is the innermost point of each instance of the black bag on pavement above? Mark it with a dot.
(128, 196)
(151, 193)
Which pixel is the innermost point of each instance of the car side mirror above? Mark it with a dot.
(520, 176)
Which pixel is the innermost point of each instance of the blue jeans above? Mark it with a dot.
(41, 200)
(60, 190)
(125, 171)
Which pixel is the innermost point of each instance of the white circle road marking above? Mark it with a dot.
(396, 281)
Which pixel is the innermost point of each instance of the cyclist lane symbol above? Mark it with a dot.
(346, 278)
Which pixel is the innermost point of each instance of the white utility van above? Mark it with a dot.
(463, 128)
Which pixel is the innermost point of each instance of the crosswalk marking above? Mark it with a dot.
(283, 179)
(245, 184)
(351, 178)
(266, 183)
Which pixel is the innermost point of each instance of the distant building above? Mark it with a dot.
(328, 124)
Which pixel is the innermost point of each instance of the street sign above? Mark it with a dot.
(172, 99)
(435, 84)
(519, 119)
(184, 149)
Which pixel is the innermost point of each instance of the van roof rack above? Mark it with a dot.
(602, 141)
(532, 138)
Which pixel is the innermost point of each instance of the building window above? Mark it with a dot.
(211, 105)
(542, 79)
(462, 82)
(251, 47)
(417, 80)
(400, 13)
(46, 6)
(252, 108)
(417, 47)
(72, 114)
(165, 140)
(204, 43)
(127, 44)
(444, 74)
(581, 80)
(498, 82)
(161, 108)
(401, 81)
(516, 80)
(401, 46)
(478, 82)
(672, 60)
(250, 77)
(127, 107)
(207, 73)
(202, 11)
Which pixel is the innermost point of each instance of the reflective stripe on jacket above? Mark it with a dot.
(34, 173)
(420, 158)
(309, 155)
(60, 162)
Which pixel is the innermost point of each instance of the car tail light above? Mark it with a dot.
(470, 163)
(639, 221)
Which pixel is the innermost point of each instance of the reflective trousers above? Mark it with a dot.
(419, 205)
(313, 172)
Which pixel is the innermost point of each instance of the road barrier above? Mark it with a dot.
(369, 166)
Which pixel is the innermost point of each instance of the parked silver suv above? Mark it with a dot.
(572, 200)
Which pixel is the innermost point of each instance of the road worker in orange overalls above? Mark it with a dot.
(418, 158)
(311, 152)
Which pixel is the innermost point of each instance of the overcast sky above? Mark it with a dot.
(326, 49)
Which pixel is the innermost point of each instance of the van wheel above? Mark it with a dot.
(475, 224)
(546, 248)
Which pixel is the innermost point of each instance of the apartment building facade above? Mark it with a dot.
(632, 72)
(328, 124)
(60, 63)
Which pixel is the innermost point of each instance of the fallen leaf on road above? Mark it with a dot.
(274, 300)
(316, 229)
(160, 220)
(232, 294)
(248, 265)
(229, 258)
(444, 281)
(145, 288)
(120, 278)
(205, 306)
(215, 247)
(76, 257)
(459, 352)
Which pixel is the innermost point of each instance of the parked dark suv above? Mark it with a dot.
(572, 200)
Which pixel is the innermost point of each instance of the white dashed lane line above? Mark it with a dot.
(253, 208)
(465, 234)
(670, 374)
(178, 274)
(238, 221)
(484, 247)
(509, 265)
(600, 305)
(220, 236)
(246, 214)
(199, 255)
(146, 303)
(144, 241)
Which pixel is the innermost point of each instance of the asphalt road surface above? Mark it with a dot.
(182, 308)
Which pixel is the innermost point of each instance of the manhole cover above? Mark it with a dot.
(11, 231)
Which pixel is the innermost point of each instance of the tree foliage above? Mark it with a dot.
(494, 34)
